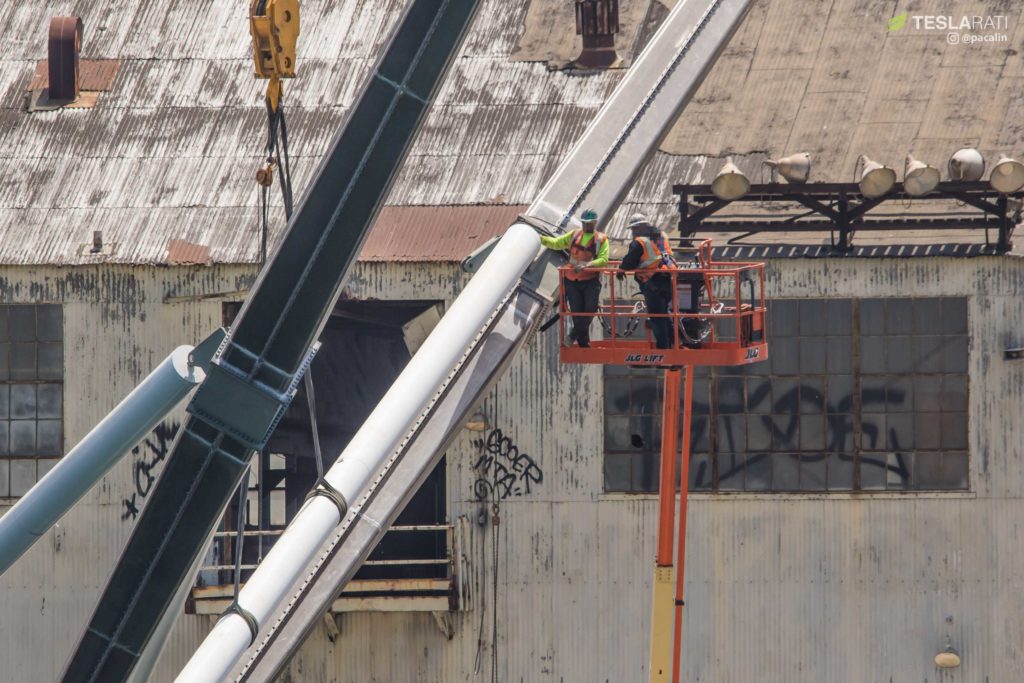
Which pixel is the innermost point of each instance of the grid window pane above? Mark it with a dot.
(840, 317)
(872, 316)
(50, 323)
(49, 437)
(23, 323)
(813, 318)
(617, 475)
(954, 316)
(49, 400)
(840, 354)
(730, 395)
(785, 473)
(867, 394)
(874, 472)
(784, 317)
(23, 437)
(812, 355)
(758, 473)
(759, 433)
(840, 472)
(51, 360)
(813, 472)
(23, 476)
(23, 361)
(23, 401)
(31, 394)
(872, 354)
(700, 472)
(899, 316)
(900, 466)
(812, 395)
(946, 470)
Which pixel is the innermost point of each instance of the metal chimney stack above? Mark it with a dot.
(65, 42)
(598, 22)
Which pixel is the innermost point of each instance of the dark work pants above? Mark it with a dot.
(658, 295)
(582, 297)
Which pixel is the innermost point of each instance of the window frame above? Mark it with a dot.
(788, 374)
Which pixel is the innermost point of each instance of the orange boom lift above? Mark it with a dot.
(718, 318)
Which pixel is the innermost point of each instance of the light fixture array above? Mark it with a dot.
(875, 179)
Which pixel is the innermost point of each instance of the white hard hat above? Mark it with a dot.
(638, 220)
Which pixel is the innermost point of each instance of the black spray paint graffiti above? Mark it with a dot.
(799, 400)
(156, 447)
(502, 471)
(840, 426)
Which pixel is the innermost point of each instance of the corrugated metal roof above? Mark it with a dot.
(435, 233)
(171, 151)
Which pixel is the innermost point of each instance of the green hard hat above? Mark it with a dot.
(588, 215)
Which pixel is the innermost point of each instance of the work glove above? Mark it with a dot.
(578, 268)
(620, 276)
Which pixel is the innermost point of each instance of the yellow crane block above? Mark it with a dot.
(274, 25)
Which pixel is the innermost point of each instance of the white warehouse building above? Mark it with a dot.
(855, 499)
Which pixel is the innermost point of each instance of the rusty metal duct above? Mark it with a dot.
(64, 44)
(598, 22)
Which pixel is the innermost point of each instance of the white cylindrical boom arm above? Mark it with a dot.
(80, 469)
(366, 453)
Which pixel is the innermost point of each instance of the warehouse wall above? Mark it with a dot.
(119, 323)
(805, 587)
(780, 587)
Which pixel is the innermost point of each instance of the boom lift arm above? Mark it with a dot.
(255, 373)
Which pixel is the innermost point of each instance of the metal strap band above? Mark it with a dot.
(324, 488)
(250, 620)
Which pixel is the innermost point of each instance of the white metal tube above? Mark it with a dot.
(369, 449)
(86, 463)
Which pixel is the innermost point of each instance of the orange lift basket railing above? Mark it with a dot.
(717, 317)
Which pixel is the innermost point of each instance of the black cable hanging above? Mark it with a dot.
(276, 155)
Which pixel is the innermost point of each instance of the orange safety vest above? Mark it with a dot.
(579, 254)
(657, 256)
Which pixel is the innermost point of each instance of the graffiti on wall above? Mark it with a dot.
(146, 457)
(502, 470)
(778, 416)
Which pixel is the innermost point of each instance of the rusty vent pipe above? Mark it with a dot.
(598, 22)
(65, 42)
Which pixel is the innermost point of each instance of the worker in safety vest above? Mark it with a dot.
(651, 256)
(588, 248)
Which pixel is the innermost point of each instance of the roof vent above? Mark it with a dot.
(65, 43)
(598, 22)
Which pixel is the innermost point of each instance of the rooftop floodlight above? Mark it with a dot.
(1007, 176)
(730, 183)
(919, 178)
(948, 657)
(966, 164)
(876, 179)
(796, 168)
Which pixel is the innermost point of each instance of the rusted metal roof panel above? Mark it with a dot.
(94, 74)
(435, 233)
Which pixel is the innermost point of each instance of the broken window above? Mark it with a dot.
(31, 394)
(364, 346)
(856, 395)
